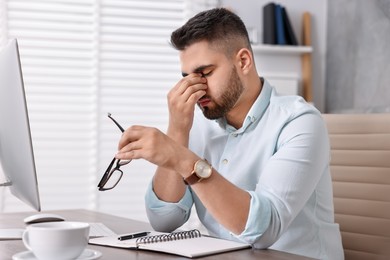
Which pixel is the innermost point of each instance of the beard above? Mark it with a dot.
(227, 100)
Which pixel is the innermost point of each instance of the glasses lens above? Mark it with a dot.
(115, 177)
(112, 176)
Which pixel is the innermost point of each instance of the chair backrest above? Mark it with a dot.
(360, 167)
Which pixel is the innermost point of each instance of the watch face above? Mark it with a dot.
(203, 169)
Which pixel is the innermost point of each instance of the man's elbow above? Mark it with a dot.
(166, 222)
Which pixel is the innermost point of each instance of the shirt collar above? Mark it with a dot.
(255, 113)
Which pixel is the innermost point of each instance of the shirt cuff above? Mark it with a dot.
(259, 218)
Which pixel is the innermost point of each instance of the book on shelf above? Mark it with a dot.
(189, 244)
(280, 34)
(291, 39)
(269, 31)
(277, 27)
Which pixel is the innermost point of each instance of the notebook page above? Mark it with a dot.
(195, 247)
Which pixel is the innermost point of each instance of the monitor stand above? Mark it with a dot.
(10, 233)
(8, 183)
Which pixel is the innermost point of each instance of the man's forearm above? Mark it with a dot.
(168, 185)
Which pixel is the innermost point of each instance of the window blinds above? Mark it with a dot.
(137, 68)
(80, 60)
(57, 47)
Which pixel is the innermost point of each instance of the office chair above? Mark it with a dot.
(360, 167)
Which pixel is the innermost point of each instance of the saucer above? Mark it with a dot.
(88, 254)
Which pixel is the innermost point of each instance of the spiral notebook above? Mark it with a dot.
(189, 244)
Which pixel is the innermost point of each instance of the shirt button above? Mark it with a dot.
(225, 161)
(234, 135)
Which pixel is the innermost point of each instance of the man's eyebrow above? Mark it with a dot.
(199, 69)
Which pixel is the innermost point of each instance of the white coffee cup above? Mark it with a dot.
(56, 240)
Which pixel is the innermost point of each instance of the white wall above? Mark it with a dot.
(251, 13)
(358, 57)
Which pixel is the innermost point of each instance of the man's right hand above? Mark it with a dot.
(182, 99)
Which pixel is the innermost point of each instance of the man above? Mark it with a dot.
(255, 164)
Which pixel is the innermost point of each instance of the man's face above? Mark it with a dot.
(224, 85)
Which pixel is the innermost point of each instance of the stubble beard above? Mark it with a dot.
(227, 100)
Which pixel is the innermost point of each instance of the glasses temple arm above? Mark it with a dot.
(120, 127)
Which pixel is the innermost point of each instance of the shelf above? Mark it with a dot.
(282, 50)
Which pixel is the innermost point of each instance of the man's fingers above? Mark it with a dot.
(130, 135)
(188, 81)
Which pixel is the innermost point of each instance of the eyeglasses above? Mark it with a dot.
(112, 175)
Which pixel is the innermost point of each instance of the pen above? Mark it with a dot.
(135, 235)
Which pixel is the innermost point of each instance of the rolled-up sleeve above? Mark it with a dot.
(166, 216)
(256, 226)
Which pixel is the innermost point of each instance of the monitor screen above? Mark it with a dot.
(16, 150)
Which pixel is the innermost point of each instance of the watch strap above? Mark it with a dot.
(192, 179)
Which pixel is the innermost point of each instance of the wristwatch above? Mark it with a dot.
(202, 170)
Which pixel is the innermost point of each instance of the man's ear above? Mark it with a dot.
(244, 60)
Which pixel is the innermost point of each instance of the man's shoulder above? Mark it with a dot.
(291, 106)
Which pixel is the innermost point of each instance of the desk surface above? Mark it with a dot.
(121, 225)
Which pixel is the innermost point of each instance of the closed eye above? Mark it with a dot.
(207, 74)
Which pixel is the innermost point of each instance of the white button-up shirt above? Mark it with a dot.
(280, 156)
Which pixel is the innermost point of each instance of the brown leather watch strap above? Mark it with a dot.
(192, 179)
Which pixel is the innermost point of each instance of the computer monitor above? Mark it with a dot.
(16, 150)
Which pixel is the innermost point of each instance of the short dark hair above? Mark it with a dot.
(220, 27)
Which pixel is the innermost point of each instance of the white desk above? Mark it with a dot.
(122, 225)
